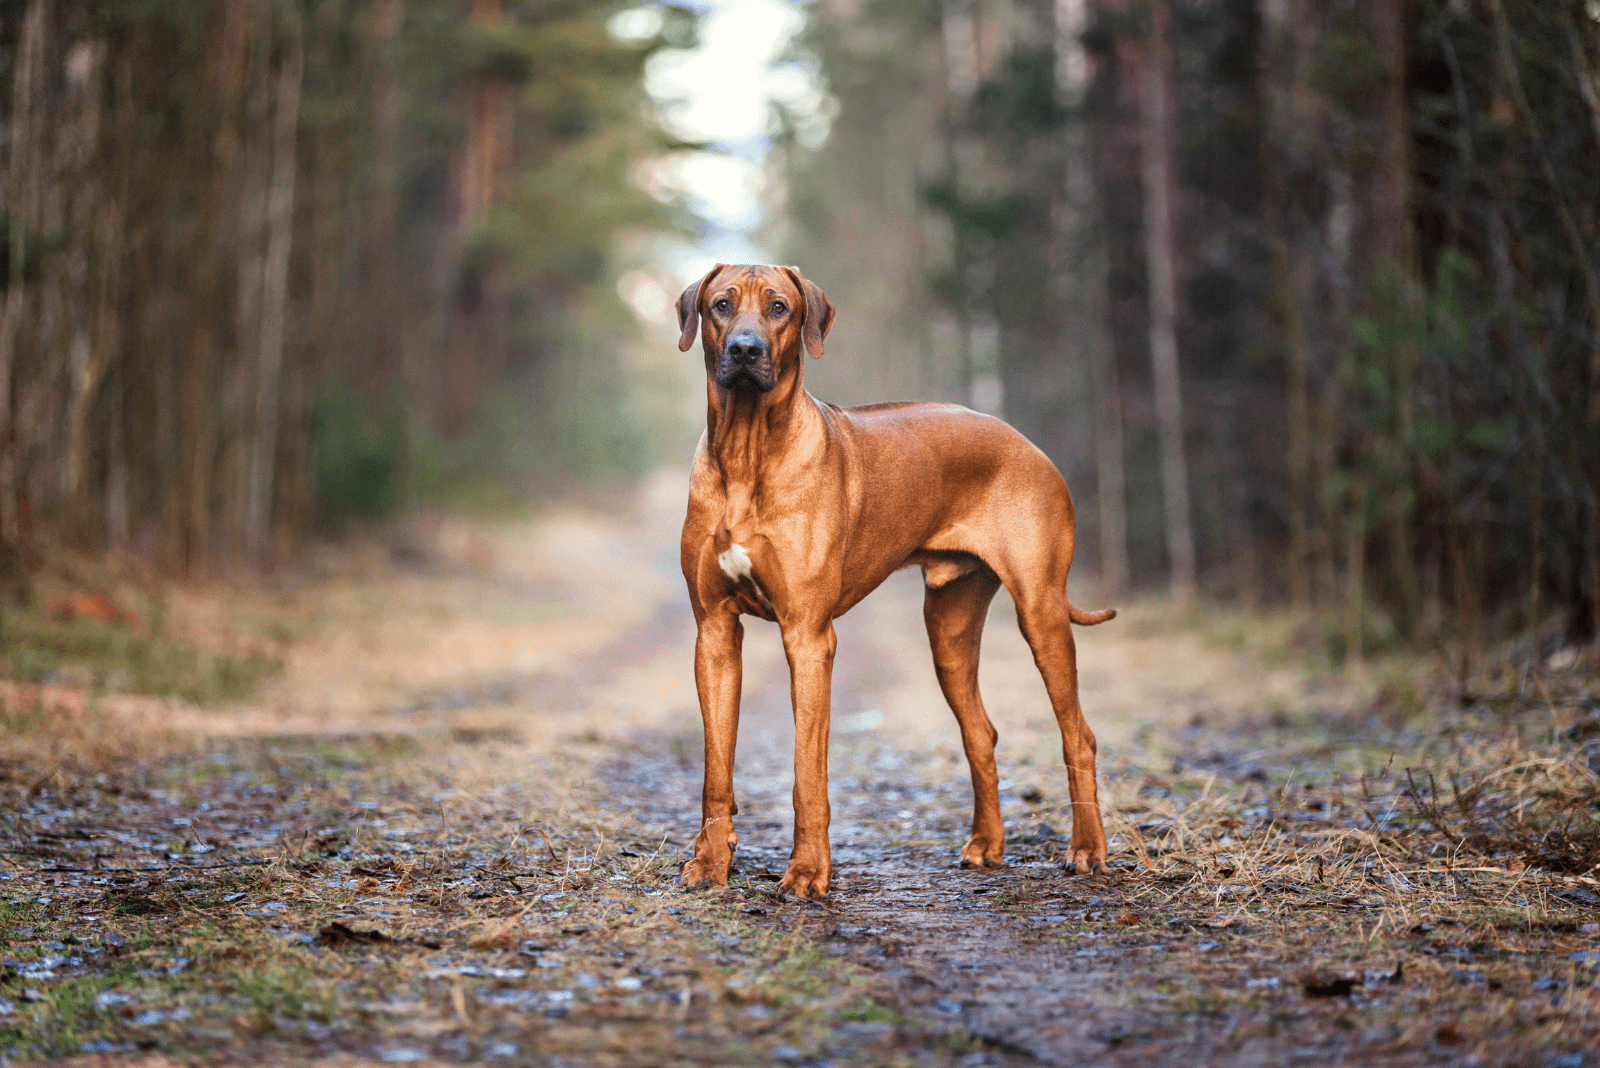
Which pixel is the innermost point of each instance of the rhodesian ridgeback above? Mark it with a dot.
(798, 509)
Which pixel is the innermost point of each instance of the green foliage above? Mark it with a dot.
(1023, 99)
(1388, 222)
(371, 465)
(993, 218)
(1467, 387)
(357, 460)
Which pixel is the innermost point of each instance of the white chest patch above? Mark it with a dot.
(735, 563)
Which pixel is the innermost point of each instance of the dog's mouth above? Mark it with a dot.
(734, 378)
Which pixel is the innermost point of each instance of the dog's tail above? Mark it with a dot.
(1089, 619)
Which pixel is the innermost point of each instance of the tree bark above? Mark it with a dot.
(387, 317)
(485, 155)
(958, 38)
(241, 361)
(1074, 71)
(95, 257)
(1289, 105)
(275, 288)
(190, 506)
(1160, 258)
(1110, 481)
(23, 190)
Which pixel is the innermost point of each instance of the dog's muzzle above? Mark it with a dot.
(746, 360)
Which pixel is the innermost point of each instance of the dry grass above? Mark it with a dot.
(50, 731)
(289, 899)
(1434, 879)
(1392, 881)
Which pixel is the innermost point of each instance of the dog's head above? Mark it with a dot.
(755, 319)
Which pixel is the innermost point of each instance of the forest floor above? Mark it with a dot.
(449, 829)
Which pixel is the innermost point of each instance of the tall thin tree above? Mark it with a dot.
(1160, 261)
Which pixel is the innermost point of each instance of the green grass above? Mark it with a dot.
(116, 656)
(13, 916)
(233, 973)
(70, 1005)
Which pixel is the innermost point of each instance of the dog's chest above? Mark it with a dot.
(735, 562)
(733, 558)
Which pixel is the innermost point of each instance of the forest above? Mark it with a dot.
(272, 266)
(1302, 297)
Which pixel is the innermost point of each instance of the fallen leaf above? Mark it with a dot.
(1328, 986)
(78, 605)
(339, 934)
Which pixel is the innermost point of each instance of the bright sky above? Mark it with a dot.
(725, 93)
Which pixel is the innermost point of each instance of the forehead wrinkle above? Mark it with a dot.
(752, 281)
(779, 284)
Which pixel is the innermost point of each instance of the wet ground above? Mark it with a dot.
(451, 830)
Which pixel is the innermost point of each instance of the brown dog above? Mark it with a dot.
(799, 509)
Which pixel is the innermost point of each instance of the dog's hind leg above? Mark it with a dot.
(954, 613)
(1043, 613)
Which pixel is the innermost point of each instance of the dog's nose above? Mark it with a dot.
(745, 349)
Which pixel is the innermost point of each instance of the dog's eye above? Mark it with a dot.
(779, 307)
(721, 306)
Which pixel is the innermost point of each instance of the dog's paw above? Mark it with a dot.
(980, 853)
(705, 872)
(806, 880)
(713, 854)
(1086, 860)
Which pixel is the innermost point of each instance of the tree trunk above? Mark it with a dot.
(190, 506)
(486, 153)
(1160, 258)
(960, 57)
(96, 257)
(1356, 572)
(275, 288)
(386, 320)
(1110, 481)
(1291, 118)
(23, 191)
(1086, 233)
(241, 362)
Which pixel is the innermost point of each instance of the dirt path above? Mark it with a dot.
(970, 950)
(451, 832)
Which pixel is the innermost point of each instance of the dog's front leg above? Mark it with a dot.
(718, 672)
(810, 649)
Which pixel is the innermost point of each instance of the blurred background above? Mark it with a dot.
(1302, 296)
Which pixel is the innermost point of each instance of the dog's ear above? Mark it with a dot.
(689, 309)
(818, 312)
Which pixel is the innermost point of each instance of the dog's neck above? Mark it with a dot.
(750, 434)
